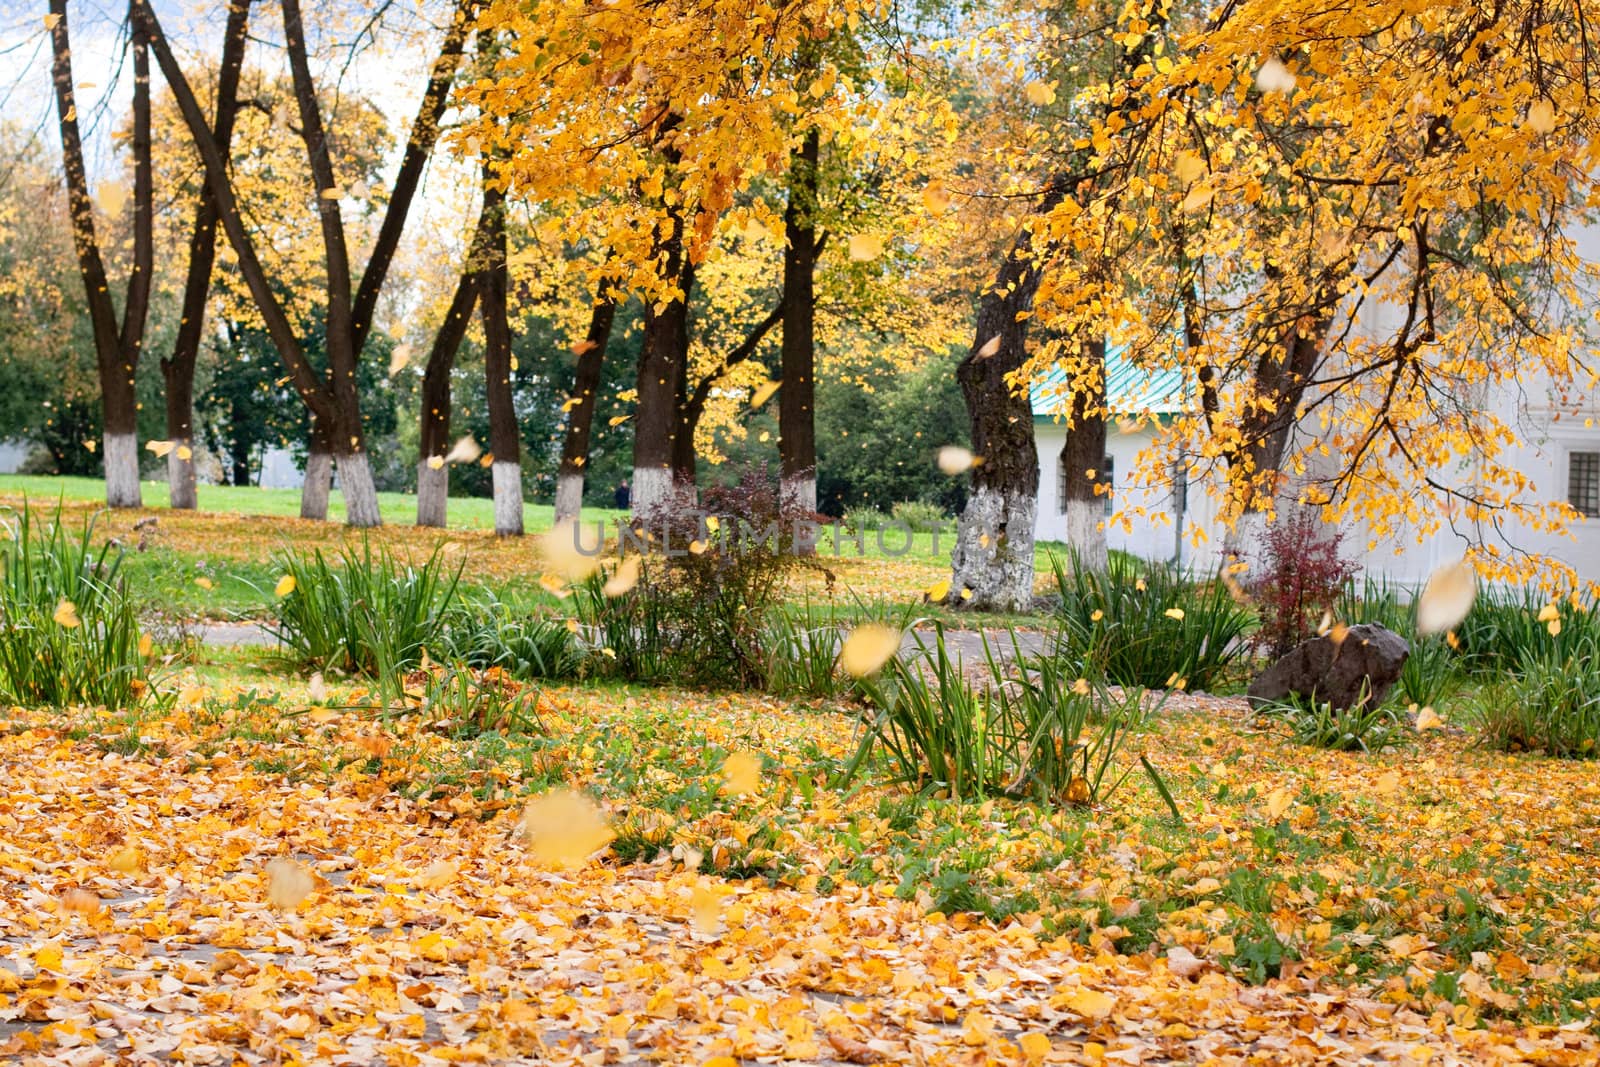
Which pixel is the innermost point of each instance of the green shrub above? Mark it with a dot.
(919, 515)
(363, 612)
(1503, 631)
(462, 703)
(802, 643)
(1148, 626)
(68, 630)
(1355, 729)
(1035, 728)
(699, 617)
(864, 519)
(1551, 704)
(490, 634)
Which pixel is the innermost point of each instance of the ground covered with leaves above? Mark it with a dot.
(262, 873)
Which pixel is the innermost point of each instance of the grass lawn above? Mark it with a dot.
(366, 883)
(217, 562)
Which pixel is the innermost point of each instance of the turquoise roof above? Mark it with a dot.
(1130, 390)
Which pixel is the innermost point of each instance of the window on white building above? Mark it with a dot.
(1103, 476)
(1583, 482)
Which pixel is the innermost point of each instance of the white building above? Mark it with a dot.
(1559, 456)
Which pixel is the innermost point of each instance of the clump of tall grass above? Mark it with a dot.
(1148, 626)
(69, 633)
(363, 611)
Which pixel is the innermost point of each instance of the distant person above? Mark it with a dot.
(624, 496)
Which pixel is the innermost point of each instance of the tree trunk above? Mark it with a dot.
(580, 417)
(318, 482)
(1256, 467)
(177, 370)
(505, 437)
(663, 359)
(433, 483)
(360, 494)
(122, 469)
(1083, 453)
(797, 435)
(993, 555)
(117, 349)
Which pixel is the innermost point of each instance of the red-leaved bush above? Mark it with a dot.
(1298, 575)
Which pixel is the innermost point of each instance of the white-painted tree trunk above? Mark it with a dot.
(569, 496)
(507, 498)
(652, 489)
(1086, 534)
(433, 494)
(360, 494)
(180, 478)
(122, 470)
(799, 493)
(315, 489)
(993, 556)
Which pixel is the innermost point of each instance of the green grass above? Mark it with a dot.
(400, 509)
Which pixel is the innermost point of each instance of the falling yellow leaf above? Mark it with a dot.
(553, 584)
(1278, 802)
(486, 460)
(990, 347)
(1198, 197)
(1174, 613)
(80, 902)
(359, 189)
(624, 578)
(1039, 93)
(1428, 719)
(435, 462)
(1326, 624)
(1188, 167)
(160, 448)
(953, 459)
(436, 875)
(938, 590)
(112, 196)
(399, 358)
(564, 828)
(713, 523)
(317, 689)
(185, 453)
(697, 547)
(125, 861)
(1274, 77)
(205, 583)
(50, 20)
(567, 554)
(285, 586)
(618, 420)
(1096, 615)
(1542, 116)
(147, 644)
(705, 909)
(741, 773)
(288, 883)
(763, 394)
(465, 450)
(1447, 597)
(91, 444)
(66, 614)
(935, 198)
(865, 247)
(333, 193)
(867, 648)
